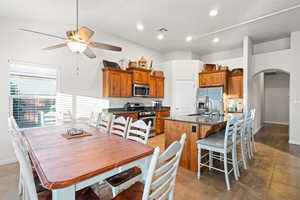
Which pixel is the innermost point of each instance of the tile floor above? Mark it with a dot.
(273, 174)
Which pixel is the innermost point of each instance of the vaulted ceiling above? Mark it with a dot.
(180, 17)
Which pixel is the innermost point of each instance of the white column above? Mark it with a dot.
(247, 61)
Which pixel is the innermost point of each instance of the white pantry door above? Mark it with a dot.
(185, 95)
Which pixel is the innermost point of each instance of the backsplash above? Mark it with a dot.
(119, 102)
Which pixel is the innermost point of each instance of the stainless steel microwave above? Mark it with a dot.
(141, 90)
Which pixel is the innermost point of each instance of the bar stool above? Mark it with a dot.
(223, 145)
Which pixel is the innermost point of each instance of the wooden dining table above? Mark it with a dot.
(68, 165)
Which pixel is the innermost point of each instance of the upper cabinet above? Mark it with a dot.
(235, 86)
(215, 78)
(156, 87)
(140, 76)
(117, 83)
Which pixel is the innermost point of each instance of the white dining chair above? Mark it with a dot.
(139, 131)
(29, 187)
(105, 120)
(119, 126)
(252, 131)
(224, 146)
(94, 119)
(161, 176)
(249, 121)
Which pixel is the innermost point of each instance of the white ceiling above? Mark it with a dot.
(180, 17)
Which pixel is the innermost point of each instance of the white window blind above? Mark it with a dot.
(33, 98)
(86, 105)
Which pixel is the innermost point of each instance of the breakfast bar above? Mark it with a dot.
(196, 127)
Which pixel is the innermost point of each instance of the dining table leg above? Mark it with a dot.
(145, 167)
(67, 193)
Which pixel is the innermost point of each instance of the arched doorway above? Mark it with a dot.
(271, 98)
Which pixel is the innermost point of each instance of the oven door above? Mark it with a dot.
(141, 90)
(151, 119)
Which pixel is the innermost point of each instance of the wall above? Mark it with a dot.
(258, 100)
(18, 46)
(277, 98)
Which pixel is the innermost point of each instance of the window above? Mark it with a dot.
(33, 98)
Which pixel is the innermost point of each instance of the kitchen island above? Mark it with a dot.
(196, 127)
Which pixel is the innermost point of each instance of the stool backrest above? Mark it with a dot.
(26, 169)
(105, 122)
(248, 122)
(162, 172)
(139, 131)
(119, 126)
(230, 132)
(240, 123)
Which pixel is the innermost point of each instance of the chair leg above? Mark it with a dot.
(253, 141)
(249, 147)
(226, 171)
(210, 160)
(243, 153)
(20, 185)
(199, 161)
(235, 164)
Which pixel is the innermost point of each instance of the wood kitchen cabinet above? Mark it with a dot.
(216, 78)
(235, 86)
(117, 83)
(156, 87)
(133, 115)
(140, 76)
(160, 122)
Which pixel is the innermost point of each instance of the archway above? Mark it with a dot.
(271, 97)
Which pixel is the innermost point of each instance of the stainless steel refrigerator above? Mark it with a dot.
(213, 97)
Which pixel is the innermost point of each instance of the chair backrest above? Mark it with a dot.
(162, 172)
(26, 169)
(119, 126)
(94, 119)
(105, 122)
(248, 122)
(15, 133)
(67, 117)
(230, 132)
(139, 131)
(240, 124)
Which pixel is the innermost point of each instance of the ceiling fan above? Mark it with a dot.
(78, 40)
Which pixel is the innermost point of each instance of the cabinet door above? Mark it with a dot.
(115, 84)
(141, 77)
(235, 86)
(160, 88)
(152, 84)
(126, 85)
(160, 122)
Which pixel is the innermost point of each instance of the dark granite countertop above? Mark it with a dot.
(199, 119)
(147, 109)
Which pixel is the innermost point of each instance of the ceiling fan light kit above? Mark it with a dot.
(77, 46)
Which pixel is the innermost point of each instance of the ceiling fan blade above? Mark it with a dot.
(89, 53)
(105, 46)
(85, 33)
(46, 34)
(55, 46)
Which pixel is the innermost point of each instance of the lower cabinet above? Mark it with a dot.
(160, 122)
(133, 115)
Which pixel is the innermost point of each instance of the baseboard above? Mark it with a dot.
(293, 142)
(7, 161)
(257, 130)
(279, 123)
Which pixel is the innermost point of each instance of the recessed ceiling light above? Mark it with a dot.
(160, 36)
(188, 38)
(213, 13)
(216, 40)
(140, 27)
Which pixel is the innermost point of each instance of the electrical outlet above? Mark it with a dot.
(194, 129)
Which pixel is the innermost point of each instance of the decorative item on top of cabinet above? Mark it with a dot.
(235, 85)
(140, 76)
(143, 63)
(160, 122)
(156, 84)
(116, 82)
(216, 78)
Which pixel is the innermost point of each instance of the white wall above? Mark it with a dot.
(26, 47)
(258, 100)
(277, 98)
